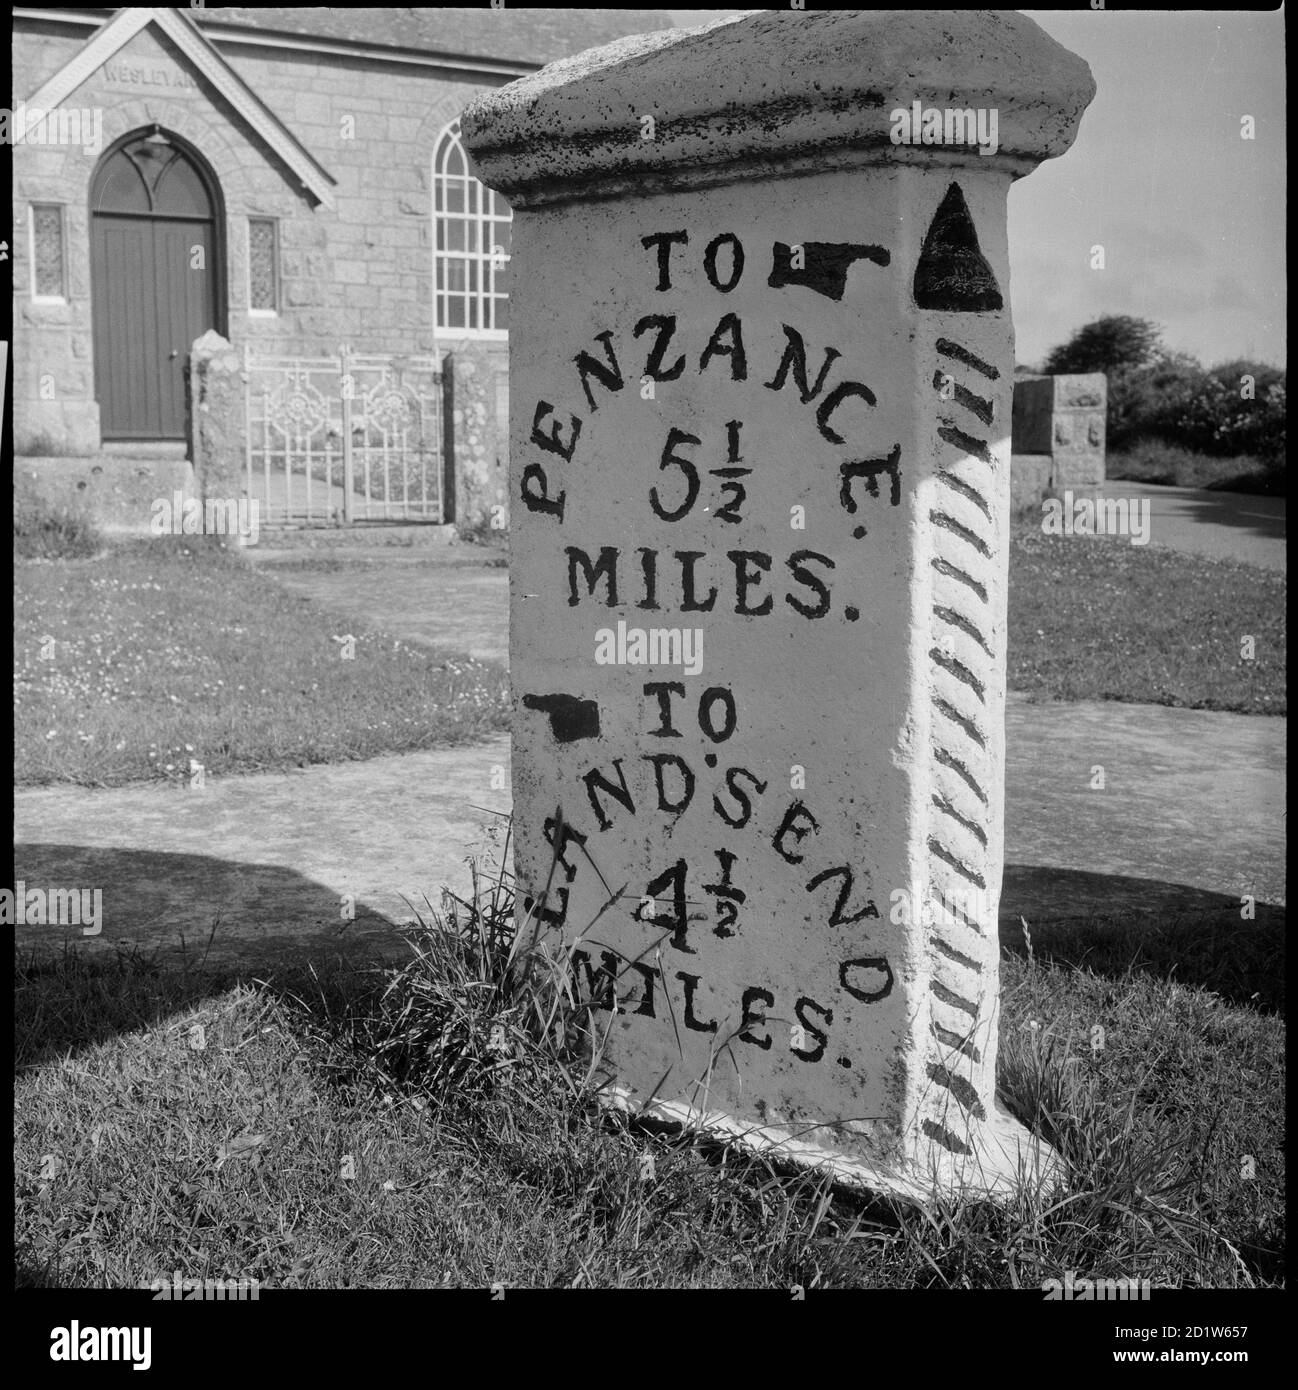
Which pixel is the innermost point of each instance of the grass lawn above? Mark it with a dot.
(1097, 618)
(408, 1129)
(130, 666)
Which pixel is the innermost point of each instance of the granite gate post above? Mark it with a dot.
(1062, 419)
(1077, 437)
(761, 373)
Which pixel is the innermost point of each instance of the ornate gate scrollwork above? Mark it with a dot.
(355, 437)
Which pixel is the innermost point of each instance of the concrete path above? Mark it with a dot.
(267, 859)
(1221, 525)
(1191, 814)
(1190, 817)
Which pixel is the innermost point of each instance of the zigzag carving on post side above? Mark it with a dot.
(963, 660)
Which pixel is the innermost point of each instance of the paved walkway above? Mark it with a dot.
(266, 859)
(1192, 808)
(1190, 818)
(1222, 525)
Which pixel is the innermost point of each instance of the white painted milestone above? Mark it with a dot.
(761, 365)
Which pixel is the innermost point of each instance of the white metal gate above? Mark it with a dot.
(333, 440)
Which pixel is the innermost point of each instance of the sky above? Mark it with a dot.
(1190, 216)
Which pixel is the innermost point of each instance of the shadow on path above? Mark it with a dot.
(1114, 924)
(1258, 515)
(195, 909)
(177, 929)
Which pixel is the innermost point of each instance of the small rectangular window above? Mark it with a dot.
(263, 265)
(49, 262)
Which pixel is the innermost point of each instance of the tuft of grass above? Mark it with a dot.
(482, 1004)
(1101, 619)
(166, 652)
(486, 536)
(434, 1125)
(45, 531)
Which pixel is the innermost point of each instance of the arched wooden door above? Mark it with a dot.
(155, 283)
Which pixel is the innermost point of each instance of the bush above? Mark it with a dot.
(1255, 426)
(46, 531)
(1176, 401)
(1234, 409)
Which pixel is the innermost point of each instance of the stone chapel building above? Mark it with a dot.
(293, 180)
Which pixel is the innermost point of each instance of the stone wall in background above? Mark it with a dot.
(119, 492)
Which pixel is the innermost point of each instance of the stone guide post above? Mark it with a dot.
(1064, 417)
(761, 373)
(1077, 437)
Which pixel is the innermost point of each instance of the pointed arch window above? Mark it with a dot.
(149, 176)
(471, 246)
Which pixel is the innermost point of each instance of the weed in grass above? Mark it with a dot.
(49, 531)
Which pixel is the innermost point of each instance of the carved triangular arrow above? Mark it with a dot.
(953, 274)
